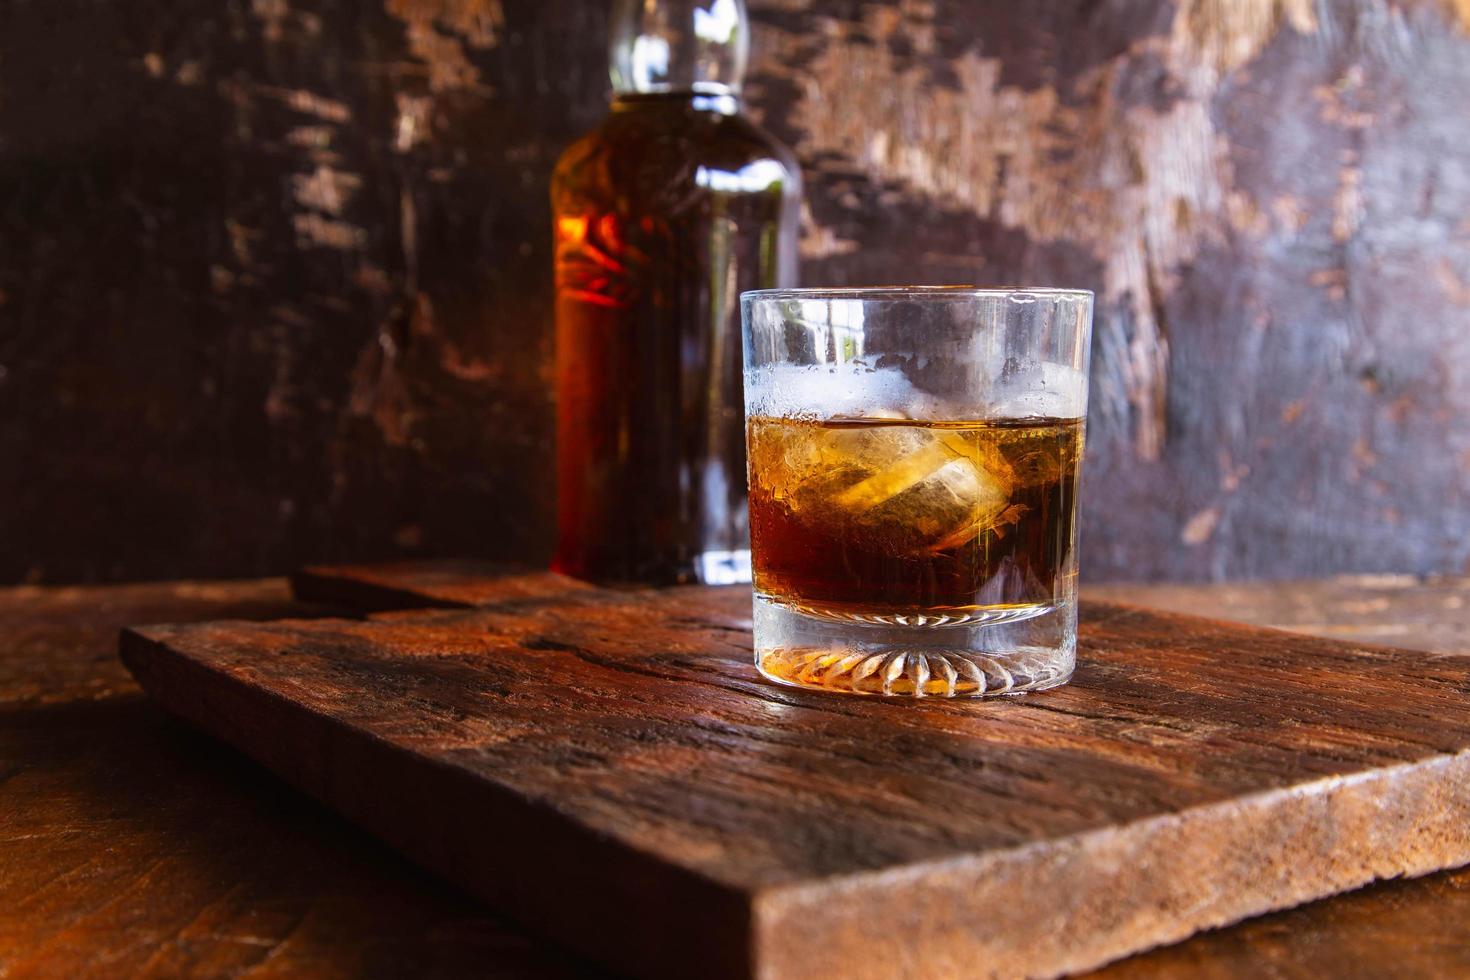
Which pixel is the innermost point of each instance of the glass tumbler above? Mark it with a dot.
(914, 456)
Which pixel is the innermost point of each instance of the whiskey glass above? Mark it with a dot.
(914, 458)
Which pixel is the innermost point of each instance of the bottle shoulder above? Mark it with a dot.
(766, 142)
(639, 144)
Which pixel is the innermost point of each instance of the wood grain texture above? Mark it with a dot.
(130, 846)
(225, 872)
(1398, 929)
(1252, 188)
(1431, 614)
(438, 583)
(1396, 610)
(59, 642)
(610, 770)
(276, 278)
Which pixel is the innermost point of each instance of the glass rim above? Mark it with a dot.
(911, 292)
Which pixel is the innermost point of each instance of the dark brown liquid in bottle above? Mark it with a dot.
(662, 217)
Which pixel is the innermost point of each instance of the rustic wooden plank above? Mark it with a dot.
(108, 797)
(58, 643)
(130, 846)
(1430, 614)
(612, 772)
(438, 583)
(1395, 930)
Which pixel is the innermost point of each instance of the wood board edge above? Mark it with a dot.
(330, 585)
(551, 874)
(1208, 866)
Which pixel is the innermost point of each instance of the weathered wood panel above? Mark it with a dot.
(130, 846)
(1266, 197)
(610, 770)
(225, 869)
(274, 276)
(1394, 610)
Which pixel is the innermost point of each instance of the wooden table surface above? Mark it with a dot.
(132, 845)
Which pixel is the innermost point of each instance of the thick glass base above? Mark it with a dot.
(851, 656)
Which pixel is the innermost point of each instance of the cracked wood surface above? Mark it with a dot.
(606, 767)
(277, 275)
(133, 846)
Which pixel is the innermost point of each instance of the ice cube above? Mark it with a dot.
(852, 388)
(899, 489)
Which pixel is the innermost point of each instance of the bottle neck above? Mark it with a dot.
(697, 48)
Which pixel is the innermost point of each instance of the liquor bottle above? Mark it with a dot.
(663, 215)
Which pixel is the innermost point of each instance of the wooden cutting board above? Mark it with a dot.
(607, 767)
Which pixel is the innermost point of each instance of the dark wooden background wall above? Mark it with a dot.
(274, 273)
